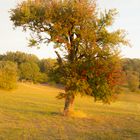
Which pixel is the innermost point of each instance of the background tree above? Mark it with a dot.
(8, 75)
(51, 68)
(132, 69)
(22, 60)
(133, 80)
(89, 51)
(29, 71)
(19, 57)
(46, 65)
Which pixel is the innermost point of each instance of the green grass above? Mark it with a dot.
(33, 113)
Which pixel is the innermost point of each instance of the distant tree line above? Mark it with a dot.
(131, 67)
(19, 66)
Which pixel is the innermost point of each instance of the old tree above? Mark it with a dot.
(87, 49)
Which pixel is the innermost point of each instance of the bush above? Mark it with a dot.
(8, 75)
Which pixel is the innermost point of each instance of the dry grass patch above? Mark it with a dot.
(32, 112)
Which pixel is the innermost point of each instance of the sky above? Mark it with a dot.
(128, 19)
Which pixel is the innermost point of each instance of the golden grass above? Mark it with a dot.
(32, 112)
(77, 114)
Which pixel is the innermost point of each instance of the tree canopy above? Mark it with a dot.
(89, 59)
(29, 71)
(19, 57)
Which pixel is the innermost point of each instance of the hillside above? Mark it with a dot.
(33, 113)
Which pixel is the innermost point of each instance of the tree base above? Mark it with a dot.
(75, 114)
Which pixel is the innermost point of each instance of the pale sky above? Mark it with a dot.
(128, 19)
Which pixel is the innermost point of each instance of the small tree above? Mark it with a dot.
(8, 75)
(89, 60)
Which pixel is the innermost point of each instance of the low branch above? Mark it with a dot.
(59, 59)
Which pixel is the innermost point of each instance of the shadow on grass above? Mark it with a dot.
(33, 111)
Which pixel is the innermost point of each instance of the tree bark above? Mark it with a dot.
(69, 100)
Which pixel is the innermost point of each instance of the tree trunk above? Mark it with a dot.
(139, 80)
(68, 105)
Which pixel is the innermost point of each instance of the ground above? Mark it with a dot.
(32, 112)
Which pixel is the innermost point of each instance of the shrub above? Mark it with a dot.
(8, 75)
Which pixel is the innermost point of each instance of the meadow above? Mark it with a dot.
(32, 112)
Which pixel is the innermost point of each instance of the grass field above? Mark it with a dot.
(33, 113)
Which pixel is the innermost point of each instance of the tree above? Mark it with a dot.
(133, 80)
(46, 65)
(132, 70)
(89, 50)
(29, 71)
(8, 75)
(51, 68)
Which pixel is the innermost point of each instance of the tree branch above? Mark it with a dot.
(59, 59)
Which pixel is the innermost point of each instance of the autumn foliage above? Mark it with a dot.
(89, 59)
